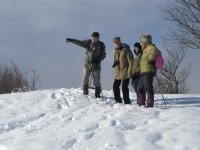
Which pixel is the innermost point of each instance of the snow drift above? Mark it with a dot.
(64, 119)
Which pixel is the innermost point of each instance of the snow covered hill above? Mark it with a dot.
(64, 119)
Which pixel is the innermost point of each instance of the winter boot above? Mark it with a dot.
(85, 89)
(150, 101)
(97, 92)
(127, 101)
(142, 99)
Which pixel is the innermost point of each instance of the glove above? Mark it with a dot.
(116, 62)
(96, 61)
(68, 40)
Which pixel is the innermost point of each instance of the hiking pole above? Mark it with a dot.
(162, 93)
(163, 99)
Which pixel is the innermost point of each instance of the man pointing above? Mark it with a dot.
(95, 53)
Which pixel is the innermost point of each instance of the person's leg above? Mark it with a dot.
(134, 84)
(136, 88)
(148, 82)
(116, 90)
(97, 82)
(86, 77)
(125, 91)
(141, 91)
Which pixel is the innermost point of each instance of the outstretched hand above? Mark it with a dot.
(68, 40)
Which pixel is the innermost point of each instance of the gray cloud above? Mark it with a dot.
(33, 32)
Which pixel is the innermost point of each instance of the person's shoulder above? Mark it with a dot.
(101, 43)
(88, 40)
(126, 46)
(152, 46)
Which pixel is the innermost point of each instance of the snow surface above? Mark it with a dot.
(64, 119)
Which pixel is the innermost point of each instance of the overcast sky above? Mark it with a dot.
(33, 32)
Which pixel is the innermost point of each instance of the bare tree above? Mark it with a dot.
(185, 14)
(34, 81)
(5, 79)
(172, 79)
(18, 78)
(12, 79)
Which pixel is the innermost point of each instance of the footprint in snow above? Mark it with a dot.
(89, 135)
(61, 101)
(92, 128)
(110, 146)
(115, 123)
(69, 144)
(20, 123)
(58, 107)
(128, 126)
(53, 96)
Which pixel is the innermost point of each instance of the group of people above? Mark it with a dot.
(138, 66)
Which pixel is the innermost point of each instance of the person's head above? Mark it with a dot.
(117, 42)
(95, 37)
(145, 40)
(137, 48)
